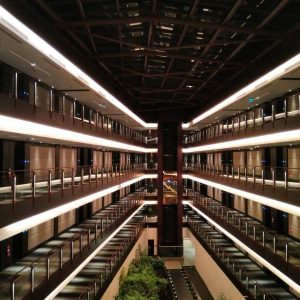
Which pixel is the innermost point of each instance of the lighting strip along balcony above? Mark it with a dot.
(286, 207)
(22, 127)
(25, 224)
(79, 268)
(261, 140)
(94, 286)
(261, 82)
(268, 242)
(9, 22)
(261, 260)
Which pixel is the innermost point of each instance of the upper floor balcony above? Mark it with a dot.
(280, 185)
(275, 116)
(46, 193)
(67, 117)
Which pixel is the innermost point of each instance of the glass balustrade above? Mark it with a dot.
(258, 283)
(285, 178)
(284, 247)
(31, 184)
(73, 243)
(254, 118)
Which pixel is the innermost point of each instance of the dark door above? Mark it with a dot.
(150, 247)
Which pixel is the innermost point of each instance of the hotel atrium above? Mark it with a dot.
(155, 130)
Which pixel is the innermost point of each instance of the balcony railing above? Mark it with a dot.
(286, 178)
(73, 247)
(30, 184)
(95, 122)
(280, 245)
(255, 118)
(108, 260)
(251, 277)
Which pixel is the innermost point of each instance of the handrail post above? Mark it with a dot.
(49, 181)
(12, 290)
(48, 267)
(81, 177)
(286, 252)
(62, 179)
(73, 179)
(33, 186)
(72, 250)
(273, 114)
(61, 257)
(285, 181)
(14, 189)
(96, 176)
(96, 232)
(32, 278)
(273, 178)
(90, 175)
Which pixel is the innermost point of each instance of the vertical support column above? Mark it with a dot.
(170, 162)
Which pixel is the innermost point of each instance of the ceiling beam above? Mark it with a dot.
(228, 17)
(119, 31)
(181, 38)
(150, 38)
(162, 55)
(155, 90)
(194, 46)
(266, 20)
(57, 19)
(170, 74)
(166, 20)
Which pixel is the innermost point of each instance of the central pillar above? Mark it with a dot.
(170, 188)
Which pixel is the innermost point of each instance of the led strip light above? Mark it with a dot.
(25, 224)
(78, 269)
(274, 270)
(286, 207)
(273, 138)
(13, 125)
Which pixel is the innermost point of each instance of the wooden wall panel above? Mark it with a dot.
(66, 220)
(40, 233)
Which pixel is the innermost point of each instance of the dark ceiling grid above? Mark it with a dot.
(172, 53)
(268, 18)
(229, 15)
(54, 15)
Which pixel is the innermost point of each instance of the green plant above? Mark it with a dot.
(141, 281)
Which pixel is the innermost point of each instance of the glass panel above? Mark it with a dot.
(6, 80)
(42, 96)
(23, 87)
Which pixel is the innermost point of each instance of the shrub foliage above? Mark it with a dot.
(142, 281)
